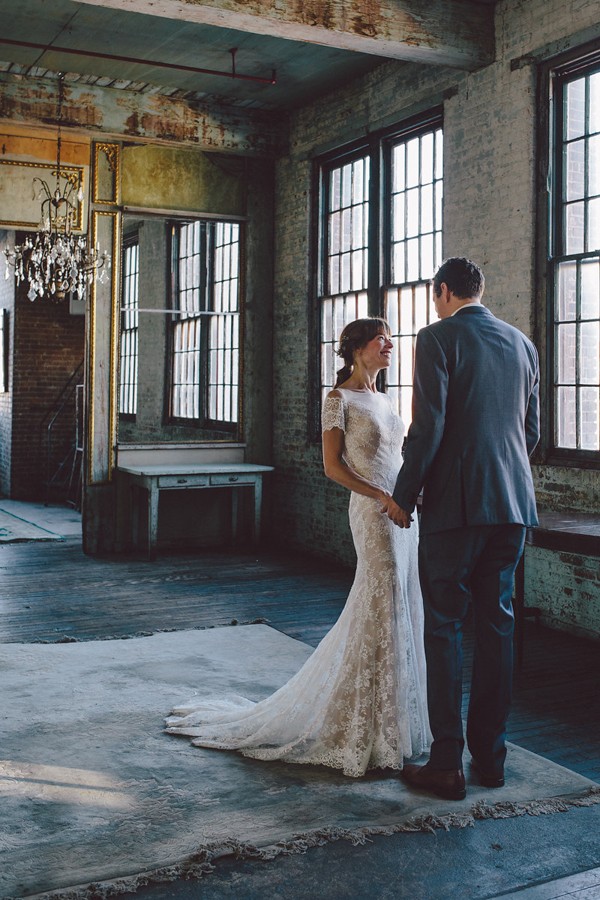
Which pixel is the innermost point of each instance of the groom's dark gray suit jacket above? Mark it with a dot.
(475, 423)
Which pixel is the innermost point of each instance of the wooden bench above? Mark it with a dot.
(564, 533)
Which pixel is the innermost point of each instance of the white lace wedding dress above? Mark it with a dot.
(359, 701)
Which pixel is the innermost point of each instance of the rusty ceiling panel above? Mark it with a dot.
(134, 51)
(103, 111)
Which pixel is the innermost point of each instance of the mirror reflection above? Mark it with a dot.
(179, 330)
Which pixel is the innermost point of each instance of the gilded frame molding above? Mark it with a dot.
(75, 174)
(112, 153)
(100, 462)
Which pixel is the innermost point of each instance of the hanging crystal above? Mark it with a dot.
(55, 262)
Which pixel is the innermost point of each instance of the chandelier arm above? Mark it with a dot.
(54, 261)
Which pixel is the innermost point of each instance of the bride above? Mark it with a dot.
(358, 702)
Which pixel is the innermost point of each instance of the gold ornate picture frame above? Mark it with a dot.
(20, 203)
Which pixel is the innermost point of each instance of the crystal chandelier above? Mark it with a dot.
(54, 261)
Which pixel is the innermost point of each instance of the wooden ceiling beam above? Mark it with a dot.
(456, 33)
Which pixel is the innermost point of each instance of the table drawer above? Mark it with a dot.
(182, 481)
(233, 478)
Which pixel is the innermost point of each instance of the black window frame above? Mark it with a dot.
(207, 317)
(553, 76)
(129, 334)
(378, 146)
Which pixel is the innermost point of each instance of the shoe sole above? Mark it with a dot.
(491, 782)
(488, 781)
(450, 796)
(444, 795)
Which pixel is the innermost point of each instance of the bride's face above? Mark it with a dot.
(377, 353)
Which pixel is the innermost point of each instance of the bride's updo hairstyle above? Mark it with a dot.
(355, 336)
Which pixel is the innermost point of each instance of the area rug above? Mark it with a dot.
(97, 800)
(13, 528)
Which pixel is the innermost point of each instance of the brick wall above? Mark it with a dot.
(559, 488)
(48, 347)
(7, 301)
(489, 138)
(566, 589)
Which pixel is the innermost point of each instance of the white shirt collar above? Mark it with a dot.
(464, 306)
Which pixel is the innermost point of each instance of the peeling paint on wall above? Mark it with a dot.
(566, 588)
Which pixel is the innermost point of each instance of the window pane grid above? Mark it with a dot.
(576, 263)
(336, 313)
(408, 309)
(187, 326)
(577, 354)
(347, 227)
(186, 368)
(581, 165)
(191, 254)
(205, 334)
(128, 369)
(223, 357)
(416, 207)
(411, 218)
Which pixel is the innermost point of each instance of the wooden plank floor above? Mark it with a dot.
(53, 592)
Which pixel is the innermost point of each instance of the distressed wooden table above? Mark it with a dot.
(155, 478)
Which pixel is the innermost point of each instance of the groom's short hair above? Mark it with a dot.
(463, 277)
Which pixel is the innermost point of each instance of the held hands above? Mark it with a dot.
(399, 516)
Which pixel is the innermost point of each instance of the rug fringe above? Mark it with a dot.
(507, 809)
(201, 862)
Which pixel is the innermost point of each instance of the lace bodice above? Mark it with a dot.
(359, 701)
(373, 433)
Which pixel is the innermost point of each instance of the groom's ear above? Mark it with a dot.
(445, 292)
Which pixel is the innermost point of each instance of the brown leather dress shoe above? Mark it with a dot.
(446, 783)
(487, 779)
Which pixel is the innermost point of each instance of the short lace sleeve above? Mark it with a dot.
(333, 414)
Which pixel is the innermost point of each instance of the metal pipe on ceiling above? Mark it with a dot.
(146, 62)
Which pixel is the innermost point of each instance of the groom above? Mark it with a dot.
(475, 423)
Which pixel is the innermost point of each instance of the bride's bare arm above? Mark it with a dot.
(339, 471)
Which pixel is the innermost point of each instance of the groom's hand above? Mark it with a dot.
(399, 516)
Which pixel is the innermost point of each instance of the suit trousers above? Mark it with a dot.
(477, 565)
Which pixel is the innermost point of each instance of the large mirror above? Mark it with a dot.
(179, 348)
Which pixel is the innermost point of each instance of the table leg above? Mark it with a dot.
(234, 515)
(135, 515)
(152, 520)
(257, 510)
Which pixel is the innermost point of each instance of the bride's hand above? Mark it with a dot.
(399, 516)
(384, 498)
